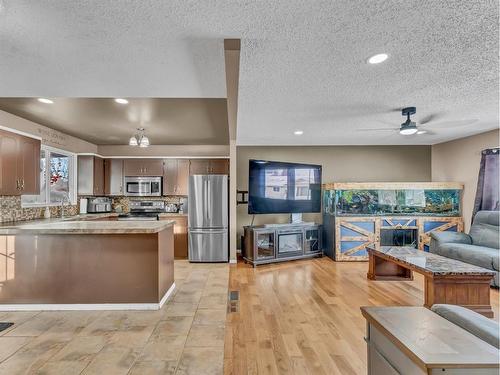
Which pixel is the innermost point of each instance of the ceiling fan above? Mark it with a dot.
(410, 127)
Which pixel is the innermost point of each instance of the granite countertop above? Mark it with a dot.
(429, 263)
(172, 214)
(82, 226)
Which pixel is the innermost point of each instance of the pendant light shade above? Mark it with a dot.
(144, 141)
(132, 141)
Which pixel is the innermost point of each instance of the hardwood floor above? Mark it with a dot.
(297, 317)
(303, 317)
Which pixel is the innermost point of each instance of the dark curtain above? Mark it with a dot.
(487, 193)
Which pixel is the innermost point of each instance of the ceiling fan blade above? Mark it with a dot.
(376, 129)
(429, 118)
(427, 132)
(453, 124)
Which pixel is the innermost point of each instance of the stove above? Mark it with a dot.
(144, 210)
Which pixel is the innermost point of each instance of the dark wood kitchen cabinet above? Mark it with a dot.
(209, 166)
(19, 164)
(175, 176)
(113, 176)
(90, 175)
(180, 235)
(143, 167)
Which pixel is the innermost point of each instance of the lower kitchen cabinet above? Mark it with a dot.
(180, 235)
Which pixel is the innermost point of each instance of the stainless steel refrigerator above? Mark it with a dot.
(208, 218)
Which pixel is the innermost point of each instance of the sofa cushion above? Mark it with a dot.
(480, 326)
(495, 262)
(485, 229)
(477, 255)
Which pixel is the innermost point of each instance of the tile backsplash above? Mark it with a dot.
(121, 204)
(11, 210)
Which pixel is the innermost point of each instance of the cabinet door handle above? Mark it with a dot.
(17, 184)
(22, 184)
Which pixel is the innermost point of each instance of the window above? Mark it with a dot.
(57, 179)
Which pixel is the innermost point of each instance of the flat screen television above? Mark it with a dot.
(276, 187)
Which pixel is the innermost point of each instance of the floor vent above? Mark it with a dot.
(4, 326)
(234, 301)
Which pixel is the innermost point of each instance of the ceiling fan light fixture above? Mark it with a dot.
(408, 130)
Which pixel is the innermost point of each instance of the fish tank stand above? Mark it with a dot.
(387, 213)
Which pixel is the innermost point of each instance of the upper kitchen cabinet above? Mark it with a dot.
(113, 176)
(19, 164)
(90, 175)
(143, 167)
(209, 166)
(175, 176)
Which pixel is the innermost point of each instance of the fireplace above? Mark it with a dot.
(399, 237)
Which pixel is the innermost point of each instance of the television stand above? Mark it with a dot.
(265, 244)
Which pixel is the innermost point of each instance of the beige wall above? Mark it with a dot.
(340, 164)
(50, 137)
(165, 150)
(459, 161)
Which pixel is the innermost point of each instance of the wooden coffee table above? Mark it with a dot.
(446, 280)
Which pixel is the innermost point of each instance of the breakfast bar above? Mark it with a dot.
(98, 264)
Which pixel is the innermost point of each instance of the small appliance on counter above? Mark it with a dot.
(171, 207)
(144, 210)
(98, 205)
(183, 205)
(83, 205)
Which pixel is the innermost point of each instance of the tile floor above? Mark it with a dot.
(185, 337)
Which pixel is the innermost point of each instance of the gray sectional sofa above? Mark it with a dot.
(480, 247)
(480, 326)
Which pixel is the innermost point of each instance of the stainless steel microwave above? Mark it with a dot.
(143, 186)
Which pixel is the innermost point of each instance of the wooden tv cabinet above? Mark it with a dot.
(272, 243)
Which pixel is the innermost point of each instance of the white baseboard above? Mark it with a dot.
(167, 295)
(87, 306)
(233, 261)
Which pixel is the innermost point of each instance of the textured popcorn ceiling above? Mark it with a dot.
(303, 63)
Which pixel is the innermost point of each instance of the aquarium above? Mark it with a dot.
(374, 202)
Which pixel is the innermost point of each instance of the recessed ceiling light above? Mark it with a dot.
(45, 100)
(121, 101)
(298, 132)
(422, 132)
(377, 59)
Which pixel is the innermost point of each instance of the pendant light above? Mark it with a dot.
(139, 139)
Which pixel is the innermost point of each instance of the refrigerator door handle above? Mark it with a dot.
(205, 203)
(209, 201)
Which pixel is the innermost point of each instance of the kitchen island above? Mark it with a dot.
(96, 264)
